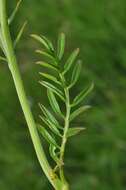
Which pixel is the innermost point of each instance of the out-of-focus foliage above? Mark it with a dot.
(95, 160)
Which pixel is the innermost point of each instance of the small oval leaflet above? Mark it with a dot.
(79, 98)
(50, 77)
(47, 65)
(53, 102)
(51, 126)
(75, 74)
(70, 60)
(48, 115)
(47, 55)
(61, 46)
(41, 40)
(47, 136)
(79, 111)
(53, 88)
(74, 131)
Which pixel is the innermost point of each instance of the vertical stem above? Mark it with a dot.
(12, 62)
(66, 126)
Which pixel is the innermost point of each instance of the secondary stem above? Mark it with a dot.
(66, 126)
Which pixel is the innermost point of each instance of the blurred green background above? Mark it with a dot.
(95, 160)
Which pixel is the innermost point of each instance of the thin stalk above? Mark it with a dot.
(66, 126)
(12, 62)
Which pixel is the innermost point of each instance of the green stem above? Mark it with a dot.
(12, 62)
(66, 126)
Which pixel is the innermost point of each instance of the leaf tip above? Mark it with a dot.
(77, 50)
(33, 35)
(92, 85)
